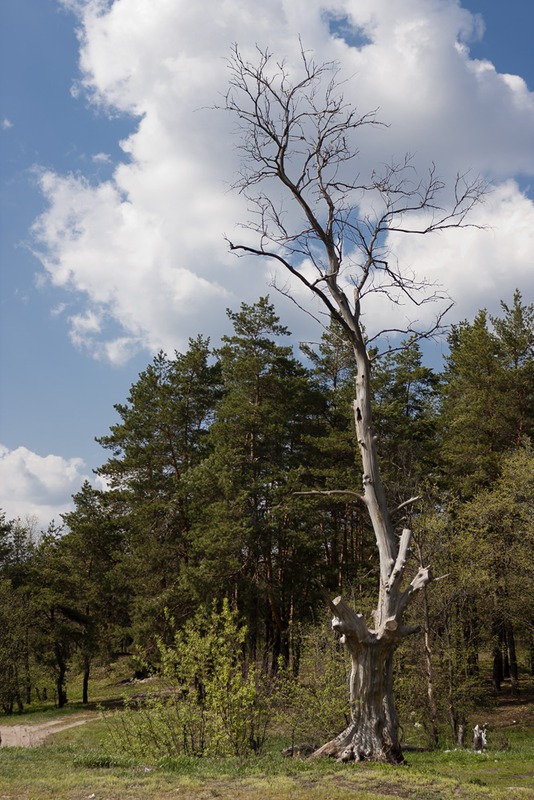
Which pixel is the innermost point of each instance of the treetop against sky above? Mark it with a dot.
(115, 188)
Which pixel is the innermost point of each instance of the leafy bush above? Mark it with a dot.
(314, 707)
(214, 702)
(211, 701)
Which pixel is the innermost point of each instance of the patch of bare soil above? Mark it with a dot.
(509, 711)
(34, 735)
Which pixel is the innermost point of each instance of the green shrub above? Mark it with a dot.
(214, 701)
(314, 707)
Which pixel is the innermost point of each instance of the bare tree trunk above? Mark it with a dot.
(373, 730)
(432, 707)
(497, 671)
(512, 659)
(27, 670)
(60, 687)
(456, 716)
(372, 734)
(85, 685)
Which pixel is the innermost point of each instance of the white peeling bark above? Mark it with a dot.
(372, 733)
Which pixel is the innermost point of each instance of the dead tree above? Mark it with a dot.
(312, 213)
(480, 739)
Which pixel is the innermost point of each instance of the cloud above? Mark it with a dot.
(58, 310)
(101, 158)
(483, 264)
(143, 251)
(6, 124)
(39, 487)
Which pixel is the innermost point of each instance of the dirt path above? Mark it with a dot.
(34, 735)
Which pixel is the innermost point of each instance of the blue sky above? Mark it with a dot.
(81, 315)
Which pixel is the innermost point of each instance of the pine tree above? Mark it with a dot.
(161, 436)
(334, 470)
(498, 524)
(405, 395)
(515, 331)
(91, 553)
(17, 621)
(488, 399)
(250, 543)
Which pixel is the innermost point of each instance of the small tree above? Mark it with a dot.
(498, 524)
(313, 214)
(215, 702)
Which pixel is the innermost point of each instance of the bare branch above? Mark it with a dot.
(398, 569)
(423, 577)
(351, 625)
(360, 498)
(407, 503)
(246, 250)
(415, 335)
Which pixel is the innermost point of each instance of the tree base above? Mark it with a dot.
(355, 744)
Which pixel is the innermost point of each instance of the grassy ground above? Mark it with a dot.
(61, 773)
(81, 763)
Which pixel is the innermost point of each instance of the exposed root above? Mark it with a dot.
(349, 746)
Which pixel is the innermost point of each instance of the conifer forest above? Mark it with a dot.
(231, 476)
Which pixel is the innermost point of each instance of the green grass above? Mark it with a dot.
(496, 769)
(65, 773)
(82, 763)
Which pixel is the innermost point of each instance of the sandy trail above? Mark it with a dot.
(34, 735)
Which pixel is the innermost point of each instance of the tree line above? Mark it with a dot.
(230, 479)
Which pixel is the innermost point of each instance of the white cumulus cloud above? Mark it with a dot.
(40, 487)
(144, 249)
